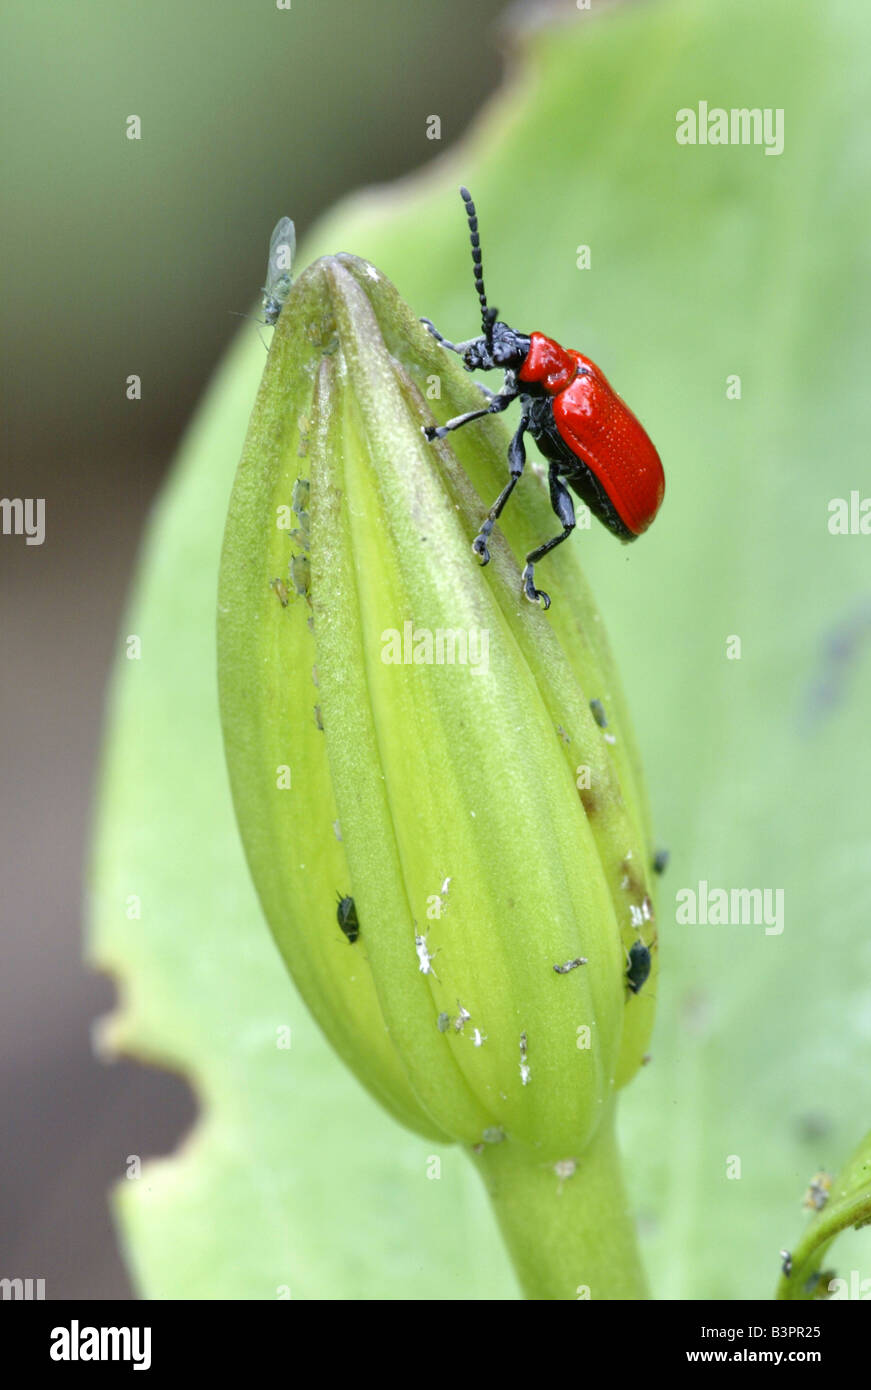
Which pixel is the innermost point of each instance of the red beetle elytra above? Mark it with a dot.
(589, 436)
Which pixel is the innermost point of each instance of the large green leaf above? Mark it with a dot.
(706, 261)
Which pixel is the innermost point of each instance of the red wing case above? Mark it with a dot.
(598, 426)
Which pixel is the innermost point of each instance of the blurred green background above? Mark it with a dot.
(706, 262)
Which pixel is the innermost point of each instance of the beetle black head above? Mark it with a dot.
(499, 345)
(503, 347)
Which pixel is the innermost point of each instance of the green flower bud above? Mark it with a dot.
(405, 731)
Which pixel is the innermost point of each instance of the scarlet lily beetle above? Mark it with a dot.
(588, 435)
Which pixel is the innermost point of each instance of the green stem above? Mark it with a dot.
(572, 1238)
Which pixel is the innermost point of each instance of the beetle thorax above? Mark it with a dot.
(548, 365)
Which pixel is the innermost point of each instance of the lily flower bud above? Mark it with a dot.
(435, 782)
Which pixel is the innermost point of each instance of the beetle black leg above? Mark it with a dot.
(445, 342)
(561, 502)
(500, 402)
(516, 460)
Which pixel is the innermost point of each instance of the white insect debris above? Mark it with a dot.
(372, 272)
(639, 915)
(441, 898)
(337, 830)
(478, 1038)
(570, 965)
(282, 245)
(564, 1169)
(462, 1018)
(525, 1070)
(424, 956)
(610, 738)
(818, 1191)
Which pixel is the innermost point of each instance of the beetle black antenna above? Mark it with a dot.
(488, 316)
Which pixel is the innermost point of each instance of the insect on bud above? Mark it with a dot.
(452, 786)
